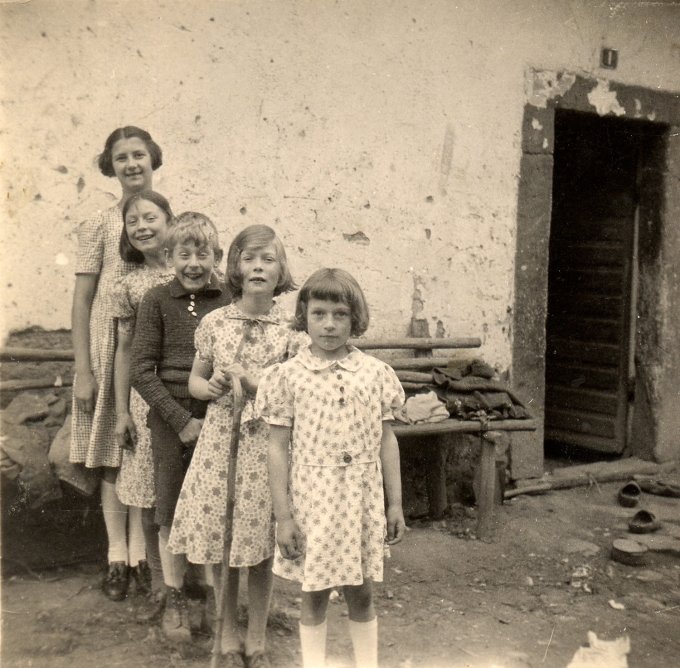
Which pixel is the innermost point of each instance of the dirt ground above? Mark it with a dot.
(526, 599)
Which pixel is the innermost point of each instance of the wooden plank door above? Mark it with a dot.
(588, 329)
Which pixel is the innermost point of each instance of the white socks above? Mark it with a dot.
(313, 644)
(136, 540)
(364, 637)
(115, 519)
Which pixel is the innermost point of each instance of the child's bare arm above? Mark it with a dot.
(125, 431)
(85, 388)
(205, 384)
(288, 534)
(389, 456)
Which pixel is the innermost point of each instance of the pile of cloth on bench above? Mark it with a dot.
(468, 390)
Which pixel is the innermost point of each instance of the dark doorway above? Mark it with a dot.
(592, 280)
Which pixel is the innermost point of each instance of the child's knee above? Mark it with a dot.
(359, 601)
(314, 606)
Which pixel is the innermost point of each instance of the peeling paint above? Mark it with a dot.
(447, 158)
(536, 124)
(417, 301)
(547, 85)
(605, 100)
(545, 142)
(61, 260)
(357, 238)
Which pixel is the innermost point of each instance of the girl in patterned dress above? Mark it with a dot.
(243, 338)
(131, 155)
(331, 450)
(147, 217)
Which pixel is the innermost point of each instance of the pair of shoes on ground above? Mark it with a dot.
(643, 521)
(116, 582)
(237, 659)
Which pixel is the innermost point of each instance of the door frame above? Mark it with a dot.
(656, 419)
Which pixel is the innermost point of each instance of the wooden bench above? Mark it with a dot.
(423, 358)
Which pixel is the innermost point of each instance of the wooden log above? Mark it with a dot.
(12, 354)
(587, 474)
(465, 426)
(16, 385)
(417, 343)
(414, 376)
(416, 362)
(485, 503)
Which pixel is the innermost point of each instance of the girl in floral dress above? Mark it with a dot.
(331, 449)
(131, 155)
(147, 217)
(242, 338)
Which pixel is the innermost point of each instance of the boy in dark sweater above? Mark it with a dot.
(162, 356)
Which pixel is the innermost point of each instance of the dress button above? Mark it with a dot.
(347, 458)
(192, 296)
(190, 307)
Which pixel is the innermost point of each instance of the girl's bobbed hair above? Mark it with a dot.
(105, 158)
(254, 237)
(194, 228)
(335, 285)
(127, 251)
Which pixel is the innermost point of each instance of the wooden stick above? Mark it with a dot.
(487, 489)
(584, 478)
(223, 581)
(15, 385)
(414, 376)
(398, 363)
(417, 343)
(11, 354)
(466, 426)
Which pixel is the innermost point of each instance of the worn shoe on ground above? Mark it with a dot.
(175, 621)
(150, 609)
(141, 576)
(116, 581)
(629, 494)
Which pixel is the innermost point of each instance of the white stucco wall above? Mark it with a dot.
(381, 136)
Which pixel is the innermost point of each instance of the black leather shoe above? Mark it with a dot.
(141, 574)
(115, 583)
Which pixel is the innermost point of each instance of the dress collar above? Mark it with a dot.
(178, 290)
(351, 361)
(275, 316)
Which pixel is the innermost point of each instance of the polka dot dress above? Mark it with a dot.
(336, 410)
(224, 336)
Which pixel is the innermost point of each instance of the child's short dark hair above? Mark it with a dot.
(105, 159)
(127, 251)
(335, 285)
(196, 228)
(257, 236)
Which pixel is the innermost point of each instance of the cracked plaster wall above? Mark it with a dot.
(382, 137)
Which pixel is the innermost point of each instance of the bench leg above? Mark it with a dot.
(487, 490)
(435, 476)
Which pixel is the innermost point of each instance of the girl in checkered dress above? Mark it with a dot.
(130, 155)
